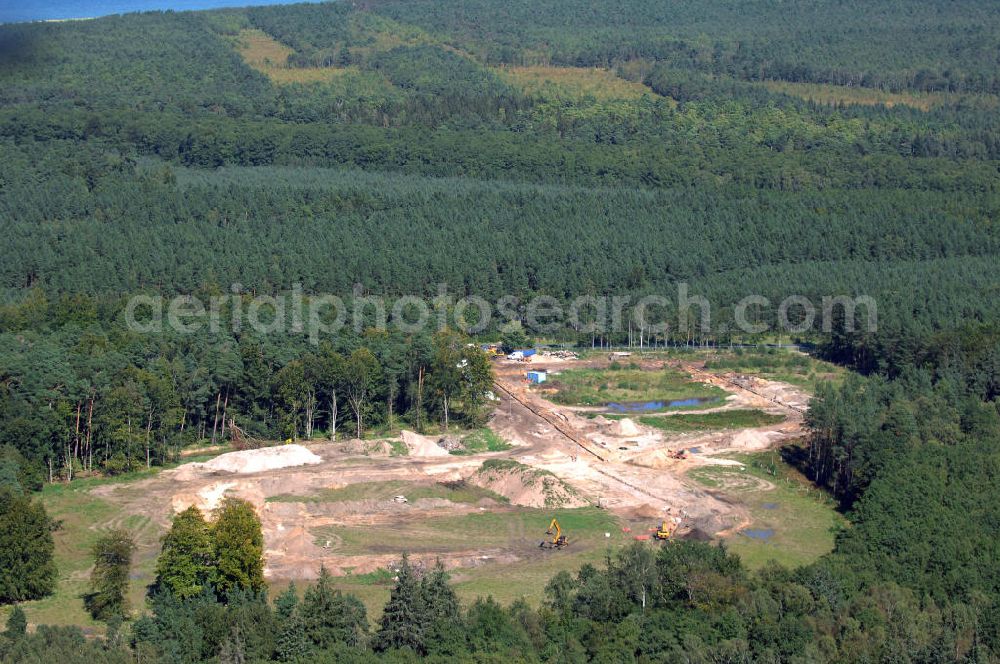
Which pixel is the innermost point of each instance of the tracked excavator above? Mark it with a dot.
(667, 529)
(558, 540)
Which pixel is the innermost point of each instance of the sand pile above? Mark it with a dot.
(422, 445)
(716, 461)
(287, 547)
(656, 458)
(752, 440)
(252, 461)
(206, 499)
(525, 485)
(626, 427)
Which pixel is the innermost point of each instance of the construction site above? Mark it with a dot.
(569, 482)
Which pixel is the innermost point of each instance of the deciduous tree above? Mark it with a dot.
(361, 375)
(239, 547)
(186, 565)
(109, 579)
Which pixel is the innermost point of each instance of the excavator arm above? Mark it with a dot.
(558, 539)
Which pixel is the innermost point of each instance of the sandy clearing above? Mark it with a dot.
(621, 482)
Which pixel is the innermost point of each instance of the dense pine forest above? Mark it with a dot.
(558, 148)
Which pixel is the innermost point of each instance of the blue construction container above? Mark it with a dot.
(536, 377)
(527, 352)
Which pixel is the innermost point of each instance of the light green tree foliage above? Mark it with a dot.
(361, 376)
(239, 547)
(460, 372)
(109, 579)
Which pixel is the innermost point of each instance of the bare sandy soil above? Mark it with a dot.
(625, 468)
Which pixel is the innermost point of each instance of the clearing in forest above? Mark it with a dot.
(821, 93)
(483, 502)
(793, 522)
(570, 83)
(270, 57)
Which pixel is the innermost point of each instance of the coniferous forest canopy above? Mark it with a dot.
(546, 147)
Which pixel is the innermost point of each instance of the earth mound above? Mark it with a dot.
(525, 485)
(254, 461)
(626, 427)
(422, 445)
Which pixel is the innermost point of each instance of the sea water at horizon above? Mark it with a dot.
(16, 11)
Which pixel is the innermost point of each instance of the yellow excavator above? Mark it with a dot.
(666, 530)
(558, 540)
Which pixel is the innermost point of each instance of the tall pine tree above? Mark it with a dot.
(26, 547)
(402, 624)
(330, 617)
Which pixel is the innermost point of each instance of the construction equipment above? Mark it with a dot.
(666, 530)
(492, 350)
(558, 540)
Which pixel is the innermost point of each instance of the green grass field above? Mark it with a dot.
(512, 528)
(482, 440)
(803, 518)
(456, 492)
(598, 387)
(517, 531)
(723, 419)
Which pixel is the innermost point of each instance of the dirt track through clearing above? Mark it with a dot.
(541, 413)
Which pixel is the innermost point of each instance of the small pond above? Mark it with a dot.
(649, 406)
(762, 534)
